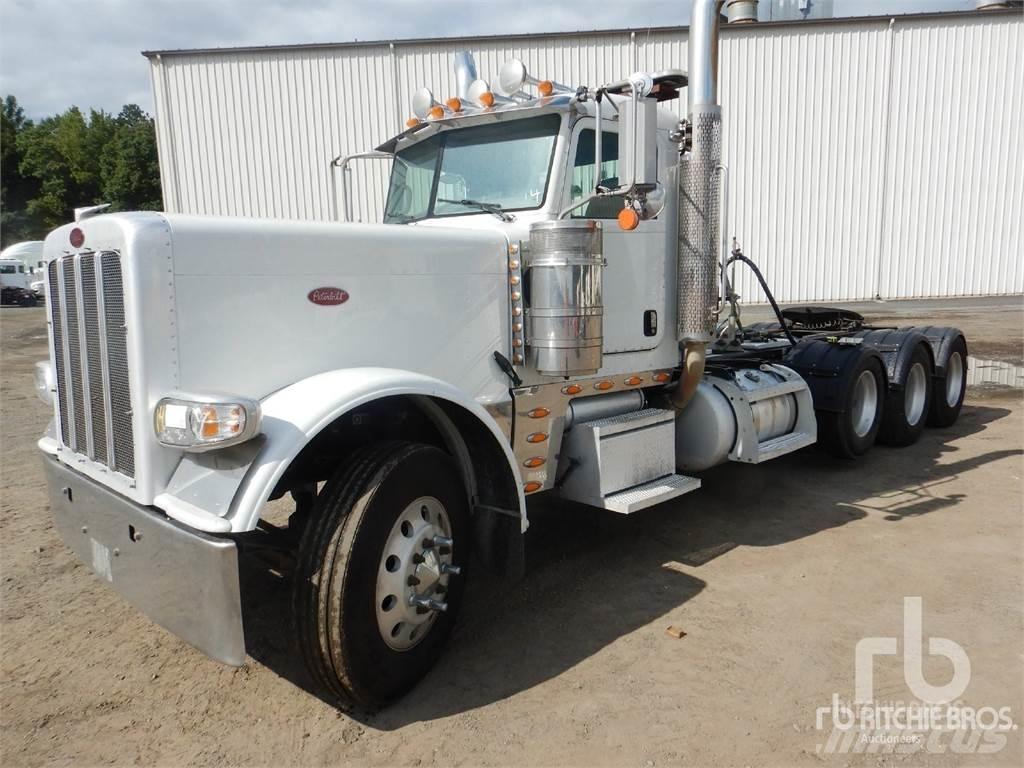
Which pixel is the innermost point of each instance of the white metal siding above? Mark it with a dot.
(879, 157)
(955, 176)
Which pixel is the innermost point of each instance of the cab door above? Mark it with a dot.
(634, 280)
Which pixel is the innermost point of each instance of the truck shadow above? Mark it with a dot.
(594, 577)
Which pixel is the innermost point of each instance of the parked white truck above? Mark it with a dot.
(548, 309)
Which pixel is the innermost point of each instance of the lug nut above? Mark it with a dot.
(454, 570)
(428, 602)
(443, 541)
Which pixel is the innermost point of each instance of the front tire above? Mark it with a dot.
(385, 537)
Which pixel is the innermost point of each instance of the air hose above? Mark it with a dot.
(737, 255)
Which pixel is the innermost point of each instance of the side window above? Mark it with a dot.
(412, 178)
(583, 177)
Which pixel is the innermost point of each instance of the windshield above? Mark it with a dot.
(498, 167)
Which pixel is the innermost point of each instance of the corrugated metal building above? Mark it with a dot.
(870, 157)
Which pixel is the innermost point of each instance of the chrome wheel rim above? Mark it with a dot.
(954, 379)
(412, 566)
(865, 403)
(915, 393)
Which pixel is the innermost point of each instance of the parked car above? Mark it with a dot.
(22, 266)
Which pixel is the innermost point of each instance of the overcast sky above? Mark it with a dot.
(55, 53)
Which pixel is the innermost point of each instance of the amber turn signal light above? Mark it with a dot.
(628, 219)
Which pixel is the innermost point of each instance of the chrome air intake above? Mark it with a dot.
(565, 312)
(699, 182)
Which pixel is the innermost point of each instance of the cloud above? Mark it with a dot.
(55, 53)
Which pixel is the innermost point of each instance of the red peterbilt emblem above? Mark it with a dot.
(328, 297)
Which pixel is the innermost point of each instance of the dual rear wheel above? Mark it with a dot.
(949, 389)
(850, 432)
(896, 415)
(906, 409)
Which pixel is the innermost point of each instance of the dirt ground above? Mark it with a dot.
(774, 572)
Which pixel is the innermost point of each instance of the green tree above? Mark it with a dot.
(71, 160)
(16, 189)
(129, 168)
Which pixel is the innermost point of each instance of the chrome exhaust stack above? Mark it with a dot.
(698, 185)
(699, 179)
(465, 73)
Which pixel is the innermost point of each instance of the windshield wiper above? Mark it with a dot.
(492, 208)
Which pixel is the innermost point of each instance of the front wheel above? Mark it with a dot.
(379, 579)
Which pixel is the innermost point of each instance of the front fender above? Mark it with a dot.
(296, 414)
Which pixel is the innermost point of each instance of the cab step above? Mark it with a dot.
(647, 495)
(779, 446)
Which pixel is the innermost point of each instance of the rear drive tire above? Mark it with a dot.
(361, 636)
(949, 390)
(851, 432)
(906, 409)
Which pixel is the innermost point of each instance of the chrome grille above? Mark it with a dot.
(74, 361)
(86, 298)
(53, 301)
(117, 364)
(94, 358)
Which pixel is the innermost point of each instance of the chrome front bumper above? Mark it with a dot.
(184, 580)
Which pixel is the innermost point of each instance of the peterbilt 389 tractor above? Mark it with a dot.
(547, 309)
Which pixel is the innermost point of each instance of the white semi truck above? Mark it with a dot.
(547, 309)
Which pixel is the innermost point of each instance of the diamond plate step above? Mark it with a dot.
(778, 446)
(650, 493)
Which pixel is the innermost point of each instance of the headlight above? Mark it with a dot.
(46, 384)
(200, 424)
